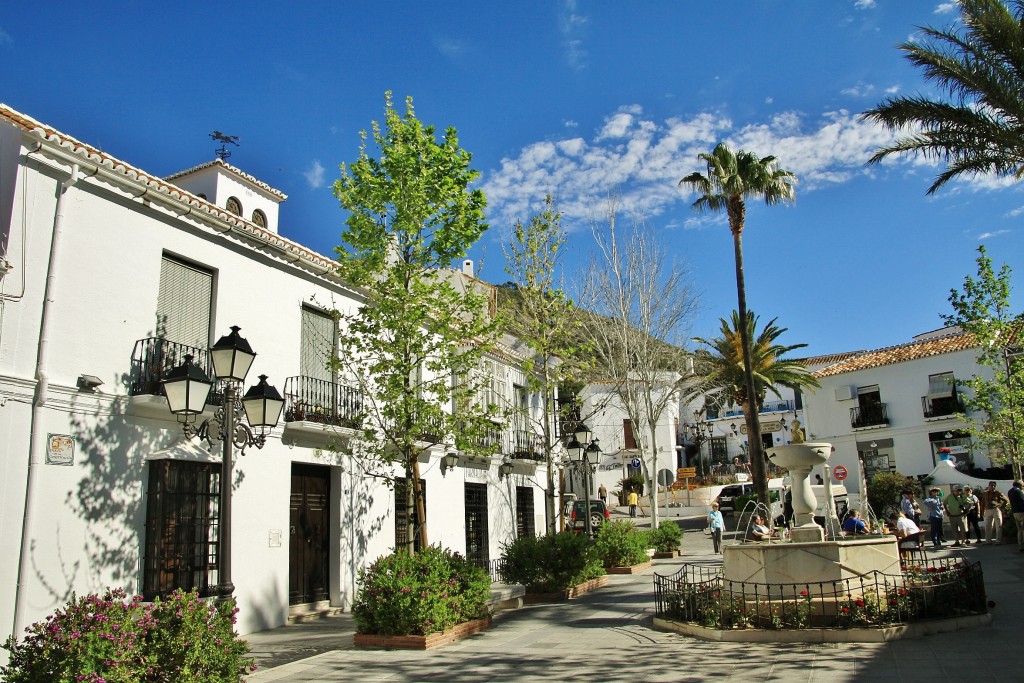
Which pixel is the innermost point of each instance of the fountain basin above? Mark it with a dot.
(800, 455)
(779, 563)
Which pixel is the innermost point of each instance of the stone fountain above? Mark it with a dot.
(808, 556)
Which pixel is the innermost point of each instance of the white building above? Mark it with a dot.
(109, 276)
(896, 408)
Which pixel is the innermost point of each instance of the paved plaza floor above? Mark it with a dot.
(607, 635)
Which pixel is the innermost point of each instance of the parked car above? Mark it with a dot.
(599, 512)
(726, 499)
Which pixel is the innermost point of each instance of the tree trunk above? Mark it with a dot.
(757, 467)
(410, 508)
(654, 474)
(421, 510)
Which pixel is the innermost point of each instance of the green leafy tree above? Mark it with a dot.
(982, 308)
(731, 179)
(884, 492)
(725, 363)
(978, 128)
(416, 342)
(541, 316)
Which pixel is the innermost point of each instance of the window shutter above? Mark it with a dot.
(941, 385)
(627, 433)
(184, 304)
(319, 344)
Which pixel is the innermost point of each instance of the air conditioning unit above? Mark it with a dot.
(844, 393)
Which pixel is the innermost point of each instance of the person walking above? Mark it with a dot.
(632, 499)
(1016, 498)
(717, 525)
(933, 504)
(602, 493)
(954, 505)
(992, 502)
(972, 510)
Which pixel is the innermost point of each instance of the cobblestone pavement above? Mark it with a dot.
(607, 635)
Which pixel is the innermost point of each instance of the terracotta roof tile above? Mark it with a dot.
(900, 354)
(235, 170)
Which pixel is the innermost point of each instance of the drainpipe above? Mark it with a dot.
(37, 430)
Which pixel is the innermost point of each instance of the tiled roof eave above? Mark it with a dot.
(900, 354)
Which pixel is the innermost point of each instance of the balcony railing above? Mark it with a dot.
(521, 444)
(947, 406)
(868, 416)
(308, 399)
(776, 406)
(153, 359)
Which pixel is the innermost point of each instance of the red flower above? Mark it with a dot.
(902, 591)
(893, 601)
(803, 592)
(846, 610)
(858, 602)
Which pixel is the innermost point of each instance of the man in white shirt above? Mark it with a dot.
(904, 527)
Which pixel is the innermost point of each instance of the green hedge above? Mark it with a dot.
(429, 592)
(548, 564)
(620, 544)
(666, 538)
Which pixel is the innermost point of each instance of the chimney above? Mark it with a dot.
(467, 267)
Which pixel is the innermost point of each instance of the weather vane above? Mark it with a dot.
(223, 139)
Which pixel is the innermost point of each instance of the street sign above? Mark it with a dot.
(635, 463)
(665, 477)
(839, 472)
(686, 472)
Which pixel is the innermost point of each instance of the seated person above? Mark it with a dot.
(759, 531)
(853, 524)
(902, 527)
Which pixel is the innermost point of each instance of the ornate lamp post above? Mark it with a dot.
(701, 432)
(187, 388)
(585, 459)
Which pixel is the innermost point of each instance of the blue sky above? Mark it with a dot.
(577, 99)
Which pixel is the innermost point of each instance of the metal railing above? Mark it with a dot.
(308, 399)
(868, 416)
(492, 567)
(947, 406)
(776, 406)
(521, 444)
(934, 589)
(153, 359)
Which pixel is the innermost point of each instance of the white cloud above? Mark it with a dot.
(864, 4)
(5, 38)
(315, 175)
(569, 123)
(946, 8)
(859, 90)
(570, 26)
(449, 47)
(989, 235)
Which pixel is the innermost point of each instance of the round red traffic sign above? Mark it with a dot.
(839, 472)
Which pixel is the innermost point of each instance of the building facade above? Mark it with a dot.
(110, 277)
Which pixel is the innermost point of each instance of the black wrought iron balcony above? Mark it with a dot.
(308, 399)
(945, 406)
(521, 444)
(153, 358)
(868, 416)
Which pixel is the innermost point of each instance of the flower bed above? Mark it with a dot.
(568, 593)
(631, 569)
(940, 590)
(425, 642)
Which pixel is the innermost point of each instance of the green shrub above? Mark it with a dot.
(884, 492)
(547, 564)
(666, 538)
(116, 639)
(428, 592)
(620, 544)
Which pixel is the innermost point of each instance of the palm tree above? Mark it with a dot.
(725, 358)
(731, 179)
(980, 66)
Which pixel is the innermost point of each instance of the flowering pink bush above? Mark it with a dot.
(115, 638)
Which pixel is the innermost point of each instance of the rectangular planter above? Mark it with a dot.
(635, 569)
(568, 594)
(666, 556)
(463, 630)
